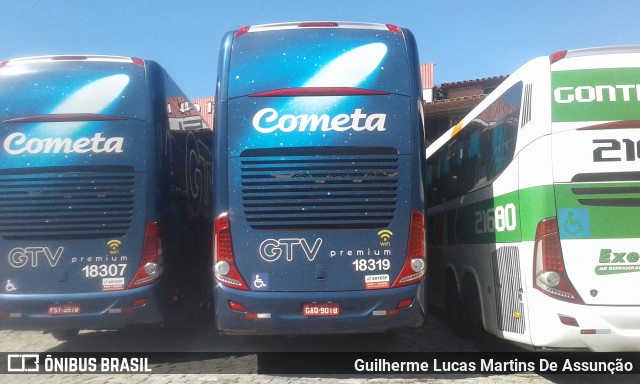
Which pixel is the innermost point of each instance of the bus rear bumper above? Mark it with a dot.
(593, 327)
(98, 310)
(281, 313)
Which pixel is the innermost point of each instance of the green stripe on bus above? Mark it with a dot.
(595, 95)
(611, 209)
(582, 210)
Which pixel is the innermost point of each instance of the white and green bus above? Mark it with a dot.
(533, 205)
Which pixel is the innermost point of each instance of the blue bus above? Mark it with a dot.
(105, 195)
(319, 224)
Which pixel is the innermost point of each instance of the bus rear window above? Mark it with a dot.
(72, 87)
(318, 57)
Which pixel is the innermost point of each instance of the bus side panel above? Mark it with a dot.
(182, 200)
(221, 140)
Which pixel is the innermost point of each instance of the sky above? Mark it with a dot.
(466, 39)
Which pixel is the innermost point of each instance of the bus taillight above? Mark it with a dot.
(550, 276)
(151, 262)
(394, 28)
(415, 265)
(557, 56)
(242, 31)
(138, 61)
(224, 263)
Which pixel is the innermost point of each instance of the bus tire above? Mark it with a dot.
(453, 306)
(471, 309)
(65, 334)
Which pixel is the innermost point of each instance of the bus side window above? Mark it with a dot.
(468, 164)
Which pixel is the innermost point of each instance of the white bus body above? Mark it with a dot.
(533, 205)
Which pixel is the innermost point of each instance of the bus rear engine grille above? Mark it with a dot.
(320, 188)
(57, 203)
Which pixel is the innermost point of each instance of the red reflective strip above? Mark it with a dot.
(405, 303)
(63, 118)
(236, 306)
(139, 302)
(570, 321)
(319, 91)
(624, 124)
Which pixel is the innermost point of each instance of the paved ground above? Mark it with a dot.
(234, 359)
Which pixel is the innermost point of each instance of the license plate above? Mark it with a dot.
(64, 309)
(321, 309)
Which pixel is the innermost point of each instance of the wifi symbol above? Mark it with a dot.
(114, 244)
(385, 234)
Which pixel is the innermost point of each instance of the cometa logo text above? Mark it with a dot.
(267, 120)
(18, 143)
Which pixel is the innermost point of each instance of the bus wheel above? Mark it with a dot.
(65, 334)
(206, 313)
(471, 309)
(453, 307)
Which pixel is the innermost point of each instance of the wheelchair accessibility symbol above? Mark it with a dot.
(10, 287)
(260, 281)
(574, 223)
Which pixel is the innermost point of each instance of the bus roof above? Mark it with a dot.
(72, 84)
(317, 24)
(53, 58)
(603, 50)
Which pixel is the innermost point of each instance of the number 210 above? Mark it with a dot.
(631, 149)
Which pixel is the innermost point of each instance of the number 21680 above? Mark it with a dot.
(498, 219)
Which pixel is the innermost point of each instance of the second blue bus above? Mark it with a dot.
(319, 223)
(105, 199)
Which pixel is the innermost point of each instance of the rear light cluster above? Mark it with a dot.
(549, 273)
(394, 28)
(415, 264)
(224, 264)
(227, 274)
(150, 267)
(138, 61)
(242, 31)
(555, 57)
